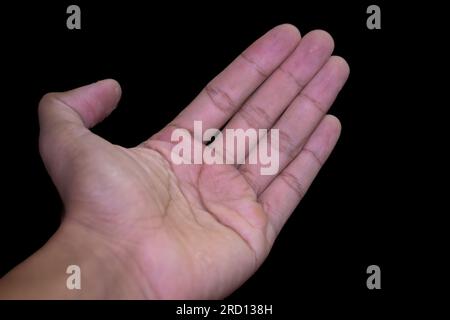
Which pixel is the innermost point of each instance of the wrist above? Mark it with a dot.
(106, 270)
(108, 267)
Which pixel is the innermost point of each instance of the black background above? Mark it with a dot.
(353, 216)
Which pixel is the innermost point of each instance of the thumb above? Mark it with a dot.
(85, 106)
(64, 117)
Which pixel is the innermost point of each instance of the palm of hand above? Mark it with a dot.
(189, 225)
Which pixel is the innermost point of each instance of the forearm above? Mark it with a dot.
(104, 273)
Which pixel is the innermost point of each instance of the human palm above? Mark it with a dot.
(198, 231)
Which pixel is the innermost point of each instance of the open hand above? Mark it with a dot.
(160, 230)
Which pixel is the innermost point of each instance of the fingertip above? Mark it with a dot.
(341, 64)
(322, 38)
(290, 30)
(334, 124)
(284, 37)
(111, 84)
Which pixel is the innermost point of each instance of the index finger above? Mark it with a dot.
(225, 94)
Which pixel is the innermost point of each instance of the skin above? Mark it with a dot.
(142, 227)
